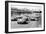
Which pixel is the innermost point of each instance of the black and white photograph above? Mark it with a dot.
(25, 16)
